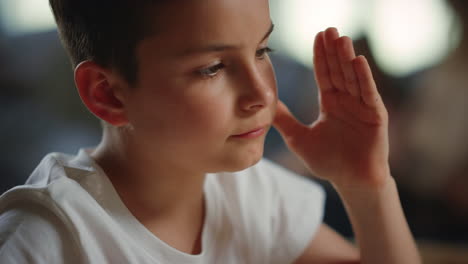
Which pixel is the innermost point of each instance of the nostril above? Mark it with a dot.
(257, 106)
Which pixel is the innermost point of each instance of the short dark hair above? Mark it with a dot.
(104, 31)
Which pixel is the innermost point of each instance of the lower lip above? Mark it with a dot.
(253, 134)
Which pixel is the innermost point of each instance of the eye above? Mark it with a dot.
(211, 71)
(260, 54)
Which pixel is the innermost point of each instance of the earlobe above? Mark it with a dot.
(97, 90)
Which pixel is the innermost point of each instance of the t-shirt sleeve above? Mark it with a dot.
(297, 214)
(30, 235)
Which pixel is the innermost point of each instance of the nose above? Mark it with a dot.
(258, 88)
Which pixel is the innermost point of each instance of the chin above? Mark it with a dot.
(242, 161)
(244, 165)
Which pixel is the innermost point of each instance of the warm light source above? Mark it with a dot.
(300, 20)
(26, 16)
(405, 36)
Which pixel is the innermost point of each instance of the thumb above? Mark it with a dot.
(286, 124)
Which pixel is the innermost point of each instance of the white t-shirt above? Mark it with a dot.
(69, 212)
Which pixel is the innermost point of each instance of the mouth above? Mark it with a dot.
(252, 133)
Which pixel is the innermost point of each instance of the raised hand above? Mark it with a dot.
(348, 143)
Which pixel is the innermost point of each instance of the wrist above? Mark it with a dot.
(362, 203)
(372, 184)
(379, 224)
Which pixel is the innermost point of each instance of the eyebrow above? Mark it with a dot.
(220, 47)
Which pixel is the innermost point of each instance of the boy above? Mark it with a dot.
(187, 93)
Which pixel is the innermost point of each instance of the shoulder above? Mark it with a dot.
(52, 188)
(31, 234)
(58, 167)
(35, 223)
(60, 181)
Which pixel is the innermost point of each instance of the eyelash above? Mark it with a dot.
(212, 71)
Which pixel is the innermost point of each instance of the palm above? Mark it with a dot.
(348, 143)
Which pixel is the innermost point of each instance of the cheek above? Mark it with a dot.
(188, 118)
(208, 118)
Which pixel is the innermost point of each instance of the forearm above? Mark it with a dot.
(379, 224)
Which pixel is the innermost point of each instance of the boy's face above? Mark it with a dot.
(203, 78)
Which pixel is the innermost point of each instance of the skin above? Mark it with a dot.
(179, 122)
(348, 146)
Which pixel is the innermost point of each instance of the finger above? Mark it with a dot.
(322, 74)
(367, 86)
(287, 125)
(336, 74)
(346, 55)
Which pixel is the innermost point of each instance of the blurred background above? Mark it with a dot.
(419, 54)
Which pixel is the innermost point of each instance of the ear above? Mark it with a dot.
(99, 91)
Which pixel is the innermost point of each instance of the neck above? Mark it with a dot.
(153, 189)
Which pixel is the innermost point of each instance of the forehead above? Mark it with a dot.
(184, 24)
